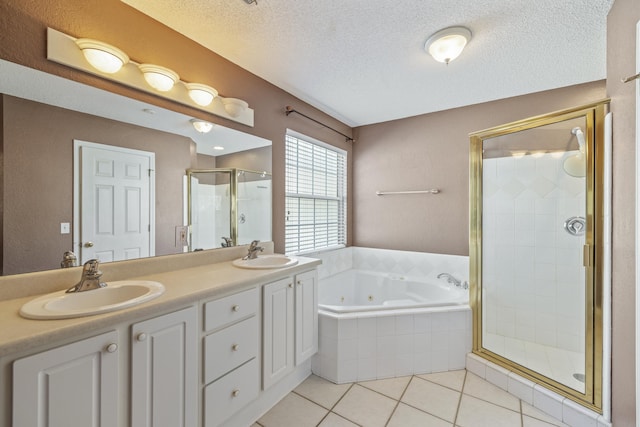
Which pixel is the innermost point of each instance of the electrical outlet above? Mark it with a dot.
(181, 235)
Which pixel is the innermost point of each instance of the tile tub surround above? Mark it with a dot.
(547, 401)
(367, 346)
(394, 343)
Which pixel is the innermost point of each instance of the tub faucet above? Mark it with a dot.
(227, 242)
(253, 250)
(90, 278)
(450, 279)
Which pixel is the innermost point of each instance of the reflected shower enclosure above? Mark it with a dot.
(227, 207)
(535, 234)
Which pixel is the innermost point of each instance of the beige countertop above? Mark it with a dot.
(182, 287)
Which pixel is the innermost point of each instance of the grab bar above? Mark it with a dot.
(387, 193)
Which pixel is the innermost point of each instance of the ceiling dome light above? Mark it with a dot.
(201, 126)
(234, 106)
(201, 94)
(103, 57)
(446, 45)
(158, 77)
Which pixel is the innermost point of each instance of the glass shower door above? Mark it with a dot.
(535, 245)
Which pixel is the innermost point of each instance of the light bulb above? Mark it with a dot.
(159, 78)
(201, 94)
(103, 57)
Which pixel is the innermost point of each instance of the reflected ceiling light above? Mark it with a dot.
(159, 78)
(218, 148)
(102, 56)
(234, 106)
(201, 126)
(538, 154)
(201, 94)
(446, 45)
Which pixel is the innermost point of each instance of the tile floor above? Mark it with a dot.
(447, 399)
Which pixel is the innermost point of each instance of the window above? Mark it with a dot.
(315, 196)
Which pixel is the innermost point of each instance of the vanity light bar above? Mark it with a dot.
(109, 62)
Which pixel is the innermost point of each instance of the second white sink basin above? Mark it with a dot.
(266, 261)
(115, 296)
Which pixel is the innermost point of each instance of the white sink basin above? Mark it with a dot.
(266, 261)
(115, 296)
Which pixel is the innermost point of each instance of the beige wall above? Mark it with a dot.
(37, 147)
(23, 25)
(621, 62)
(432, 151)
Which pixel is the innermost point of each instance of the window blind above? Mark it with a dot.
(315, 196)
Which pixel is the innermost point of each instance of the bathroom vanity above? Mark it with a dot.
(220, 347)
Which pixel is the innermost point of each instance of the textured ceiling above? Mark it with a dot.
(363, 61)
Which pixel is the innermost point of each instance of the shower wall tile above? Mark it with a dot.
(534, 258)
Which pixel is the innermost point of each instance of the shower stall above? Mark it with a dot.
(227, 207)
(536, 249)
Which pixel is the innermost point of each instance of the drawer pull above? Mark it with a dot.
(111, 348)
(235, 308)
(235, 347)
(235, 393)
(141, 336)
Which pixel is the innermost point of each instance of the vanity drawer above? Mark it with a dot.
(231, 393)
(229, 309)
(229, 348)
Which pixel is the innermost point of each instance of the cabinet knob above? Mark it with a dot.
(141, 336)
(111, 348)
(235, 308)
(291, 285)
(235, 347)
(299, 282)
(235, 393)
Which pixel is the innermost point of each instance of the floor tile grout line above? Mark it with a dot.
(399, 400)
(336, 404)
(422, 410)
(464, 383)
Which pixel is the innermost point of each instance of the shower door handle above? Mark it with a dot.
(587, 256)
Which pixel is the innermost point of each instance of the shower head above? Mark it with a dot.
(575, 165)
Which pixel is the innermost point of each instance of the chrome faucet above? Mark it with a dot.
(69, 259)
(457, 283)
(253, 250)
(90, 278)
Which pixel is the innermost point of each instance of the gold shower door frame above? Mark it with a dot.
(593, 115)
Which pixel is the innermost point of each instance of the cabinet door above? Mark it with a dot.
(164, 377)
(306, 315)
(72, 385)
(277, 355)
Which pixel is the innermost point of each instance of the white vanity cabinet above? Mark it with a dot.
(231, 369)
(164, 370)
(306, 326)
(68, 386)
(278, 331)
(290, 325)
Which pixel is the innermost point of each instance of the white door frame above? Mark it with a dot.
(77, 173)
(637, 248)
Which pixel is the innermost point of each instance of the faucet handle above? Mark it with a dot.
(90, 269)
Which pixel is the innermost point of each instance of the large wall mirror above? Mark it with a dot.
(536, 245)
(48, 123)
